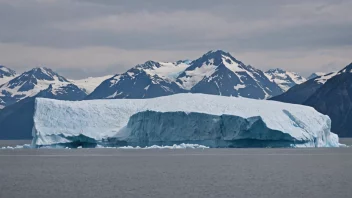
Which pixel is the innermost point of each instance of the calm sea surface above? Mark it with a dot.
(216, 173)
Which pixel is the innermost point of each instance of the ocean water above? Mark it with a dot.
(89, 173)
(347, 141)
(13, 143)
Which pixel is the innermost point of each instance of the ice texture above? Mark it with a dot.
(209, 120)
(24, 146)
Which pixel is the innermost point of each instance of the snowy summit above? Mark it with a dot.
(284, 79)
(29, 84)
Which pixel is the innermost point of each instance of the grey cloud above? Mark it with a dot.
(196, 4)
(200, 25)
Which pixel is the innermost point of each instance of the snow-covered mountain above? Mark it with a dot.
(284, 79)
(90, 83)
(62, 92)
(216, 72)
(316, 74)
(334, 99)
(219, 73)
(6, 74)
(301, 92)
(148, 80)
(29, 84)
(330, 95)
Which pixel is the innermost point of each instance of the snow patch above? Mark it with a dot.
(6, 79)
(239, 86)
(233, 66)
(323, 79)
(195, 76)
(167, 70)
(89, 84)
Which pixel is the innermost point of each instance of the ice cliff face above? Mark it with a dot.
(209, 120)
(149, 128)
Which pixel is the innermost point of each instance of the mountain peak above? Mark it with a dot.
(347, 69)
(6, 72)
(217, 53)
(216, 58)
(283, 78)
(276, 70)
(29, 84)
(41, 69)
(42, 73)
(148, 64)
(316, 74)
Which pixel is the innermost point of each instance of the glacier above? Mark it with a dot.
(209, 120)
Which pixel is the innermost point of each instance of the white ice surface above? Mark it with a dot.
(25, 146)
(175, 146)
(100, 119)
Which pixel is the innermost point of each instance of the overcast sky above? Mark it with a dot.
(80, 38)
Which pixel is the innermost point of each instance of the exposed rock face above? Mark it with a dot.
(301, 92)
(330, 94)
(334, 99)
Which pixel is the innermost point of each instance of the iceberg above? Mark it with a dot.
(209, 120)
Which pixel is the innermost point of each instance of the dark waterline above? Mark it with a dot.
(12, 143)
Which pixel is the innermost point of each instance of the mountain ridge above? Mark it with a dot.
(216, 69)
(29, 84)
(329, 94)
